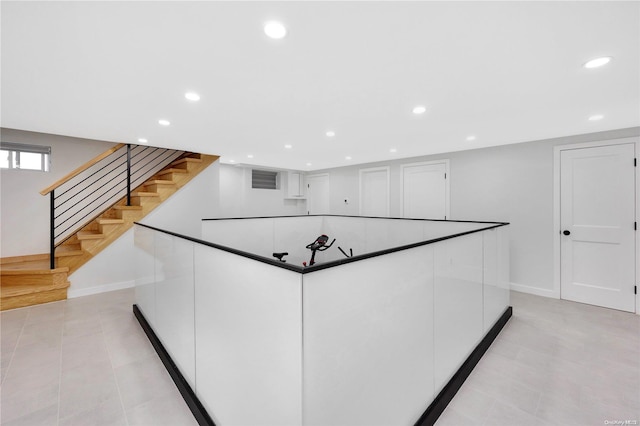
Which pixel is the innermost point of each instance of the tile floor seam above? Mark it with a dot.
(15, 347)
(60, 365)
(486, 417)
(113, 371)
(535, 413)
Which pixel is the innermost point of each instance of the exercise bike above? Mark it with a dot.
(320, 244)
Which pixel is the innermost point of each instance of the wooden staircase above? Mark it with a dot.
(28, 280)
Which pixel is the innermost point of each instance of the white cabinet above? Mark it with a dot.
(295, 185)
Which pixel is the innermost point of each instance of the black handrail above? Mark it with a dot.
(87, 195)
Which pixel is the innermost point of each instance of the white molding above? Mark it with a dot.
(537, 291)
(556, 206)
(374, 169)
(447, 184)
(73, 293)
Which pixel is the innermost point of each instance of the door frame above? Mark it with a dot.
(306, 180)
(374, 169)
(557, 150)
(447, 186)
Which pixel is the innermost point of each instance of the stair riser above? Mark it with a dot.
(129, 215)
(34, 279)
(163, 190)
(169, 176)
(88, 245)
(107, 228)
(33, 299)
(141, 201)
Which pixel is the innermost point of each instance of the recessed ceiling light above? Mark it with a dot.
(232, 161)
(308, 164)
(192, 96)
(142, 140)
(250, 156)
(330, 134)
(275, 29)
(419, 109)
(598, 62)
(288, 146)
(347, 158)
(393, 150)
(164, 122)
(471, 138)
(596, 117)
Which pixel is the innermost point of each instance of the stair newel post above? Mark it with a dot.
(52, 231)
(128, 174)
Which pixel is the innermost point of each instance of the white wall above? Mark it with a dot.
(184, 211)
(182, 214)
(238, 199)
(24, 213)
(511, 183)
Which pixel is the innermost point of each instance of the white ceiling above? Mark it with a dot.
(505, 72)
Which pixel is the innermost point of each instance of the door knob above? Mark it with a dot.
(566, 232)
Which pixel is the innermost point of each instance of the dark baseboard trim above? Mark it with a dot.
(445, 396)
(428, 418)
(194, 404)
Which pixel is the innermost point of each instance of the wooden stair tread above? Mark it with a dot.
(171, 170)
(25, 258)
(89, 235)
(33, 271)
(105, 221)
(186, 160)
(144, 194)
(160, 182)
(127, 207)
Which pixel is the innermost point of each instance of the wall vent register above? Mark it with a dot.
(264, 179)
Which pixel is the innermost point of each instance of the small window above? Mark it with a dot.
(24, 157)
(264, 179)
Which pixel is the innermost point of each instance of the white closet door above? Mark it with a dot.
(374, 192)
(597, 214)
(318, 194)
(425, 190)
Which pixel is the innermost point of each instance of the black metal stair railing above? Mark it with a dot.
(84, 197)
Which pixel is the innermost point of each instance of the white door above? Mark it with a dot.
(318, 194)
(374, 192)
(425, 192)
(597, 214)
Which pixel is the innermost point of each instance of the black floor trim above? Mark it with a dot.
(428, 418)
(446, 395)
(199, 412)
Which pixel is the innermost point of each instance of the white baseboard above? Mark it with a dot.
(534, 290)
(73, 293)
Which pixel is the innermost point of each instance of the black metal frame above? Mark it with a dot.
(122, 171)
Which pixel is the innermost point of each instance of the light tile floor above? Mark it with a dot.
(86, 362)
(555, 363)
